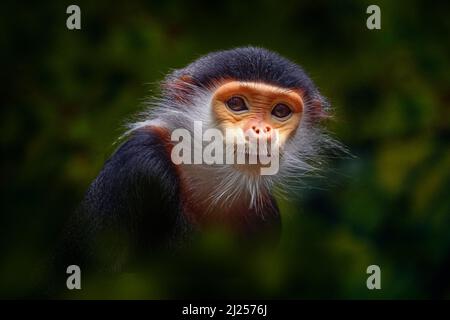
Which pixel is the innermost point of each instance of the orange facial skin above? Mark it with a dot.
(260, 99)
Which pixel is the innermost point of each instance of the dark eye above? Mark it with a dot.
(236, 104)
(281, 111)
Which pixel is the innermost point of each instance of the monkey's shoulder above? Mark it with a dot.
(134, 201)
(139, 176)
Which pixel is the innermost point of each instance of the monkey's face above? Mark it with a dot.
(260, 110)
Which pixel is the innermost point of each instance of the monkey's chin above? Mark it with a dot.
(252, 170)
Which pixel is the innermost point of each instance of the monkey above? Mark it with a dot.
(143, 201)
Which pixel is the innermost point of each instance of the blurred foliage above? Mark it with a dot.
(67, 93)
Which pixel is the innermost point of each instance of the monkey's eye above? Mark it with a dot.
(281, 111)
(236, 104)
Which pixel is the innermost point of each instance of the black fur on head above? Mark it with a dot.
(246, 64)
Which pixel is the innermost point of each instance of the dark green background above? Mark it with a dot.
(66, 94)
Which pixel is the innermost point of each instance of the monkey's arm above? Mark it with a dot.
(132, 205)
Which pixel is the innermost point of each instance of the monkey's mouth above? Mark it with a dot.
(248, 149)
(256, 156)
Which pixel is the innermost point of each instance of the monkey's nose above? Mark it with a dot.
(261, 131)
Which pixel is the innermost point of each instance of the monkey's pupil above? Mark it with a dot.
(281, 111)
(236, 104)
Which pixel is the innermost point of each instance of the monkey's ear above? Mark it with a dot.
(319, 109)
(180, 88)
